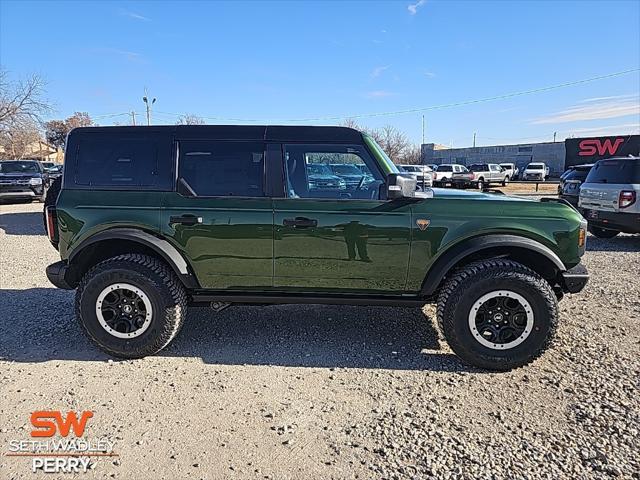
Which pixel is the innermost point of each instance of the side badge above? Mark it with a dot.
(422, 223)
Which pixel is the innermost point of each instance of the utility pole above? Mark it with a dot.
(423, 129)
(474, 139)
(554, 136)
(145, 99)
(133, 118)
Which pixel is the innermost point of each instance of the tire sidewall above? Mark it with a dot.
(136, 346)
(468, 348)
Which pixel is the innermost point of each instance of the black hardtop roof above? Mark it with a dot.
(235, 132)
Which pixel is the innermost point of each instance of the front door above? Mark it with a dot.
(220, 217)
(332, 232)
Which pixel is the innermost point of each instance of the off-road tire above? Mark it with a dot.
(159, 283)
(602, 232)
(469, 284)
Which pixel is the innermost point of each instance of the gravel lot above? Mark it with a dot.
(325, 392)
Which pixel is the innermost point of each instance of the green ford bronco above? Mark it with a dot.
(150, 220)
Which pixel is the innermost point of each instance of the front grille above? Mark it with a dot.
(14, 182)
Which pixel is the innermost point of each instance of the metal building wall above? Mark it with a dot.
(551, 153)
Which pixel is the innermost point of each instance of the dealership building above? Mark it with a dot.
(557, 155)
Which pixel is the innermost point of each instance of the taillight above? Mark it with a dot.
(50, 213)
(627, 198)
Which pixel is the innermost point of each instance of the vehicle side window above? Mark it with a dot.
(331, 171)
(124, 161)
(495, 168)
(220, 169)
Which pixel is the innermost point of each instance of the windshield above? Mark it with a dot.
(535, 166)
(319, 169)
(445, 168)
(346, 170)
(409, 168)
(385, 162)
(19, 167)
(506, 165)
(615, 171)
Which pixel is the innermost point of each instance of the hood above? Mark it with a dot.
(470, 195)
(324, 177)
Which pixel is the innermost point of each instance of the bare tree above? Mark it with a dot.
(56, 131)
(190, 119)
(21, 102)
(412, 155)
(351, 123)
(394, 142)
(18, 139)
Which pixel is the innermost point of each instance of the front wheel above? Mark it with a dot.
(505, 182)
(497, 314)
(602, 232)
(131, 305)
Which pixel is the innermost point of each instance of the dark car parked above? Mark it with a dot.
(23, 180)
(53, 169)
(570, 182)
(321, 177)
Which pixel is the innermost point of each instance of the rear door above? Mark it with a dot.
(496, 173)
(220, 216)
(340, 237)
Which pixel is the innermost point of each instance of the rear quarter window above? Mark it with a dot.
(615, 171)
(124, 162)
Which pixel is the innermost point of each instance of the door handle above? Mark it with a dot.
(300, 222)
(188, 220)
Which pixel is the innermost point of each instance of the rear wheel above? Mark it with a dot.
(481, 184)
(505, 182)
(131, 305)
(602, 232)
(497, 314)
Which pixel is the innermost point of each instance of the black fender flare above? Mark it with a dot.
(456, 253)
(159, 245)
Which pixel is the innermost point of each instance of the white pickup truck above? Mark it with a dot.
(536, 171)
(510, 169)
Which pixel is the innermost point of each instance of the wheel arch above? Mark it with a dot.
(531, 253)
(118, 241)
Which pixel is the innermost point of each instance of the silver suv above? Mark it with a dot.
(609, 197)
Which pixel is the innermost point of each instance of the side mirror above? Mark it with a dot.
(400, 185)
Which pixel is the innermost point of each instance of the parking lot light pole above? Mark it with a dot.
(148, 105)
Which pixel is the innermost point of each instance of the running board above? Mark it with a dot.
(208, 298)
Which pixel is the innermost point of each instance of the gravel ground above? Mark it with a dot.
(325, 392)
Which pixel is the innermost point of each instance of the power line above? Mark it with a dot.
(431, 107)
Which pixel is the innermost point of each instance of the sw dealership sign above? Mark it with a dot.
(589, 150)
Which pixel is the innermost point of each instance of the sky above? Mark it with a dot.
(320, 62)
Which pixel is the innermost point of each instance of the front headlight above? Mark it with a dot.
(35, 181)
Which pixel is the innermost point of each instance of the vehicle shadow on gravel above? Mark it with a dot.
(21, 223)
(621, 243)
(38, 325)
